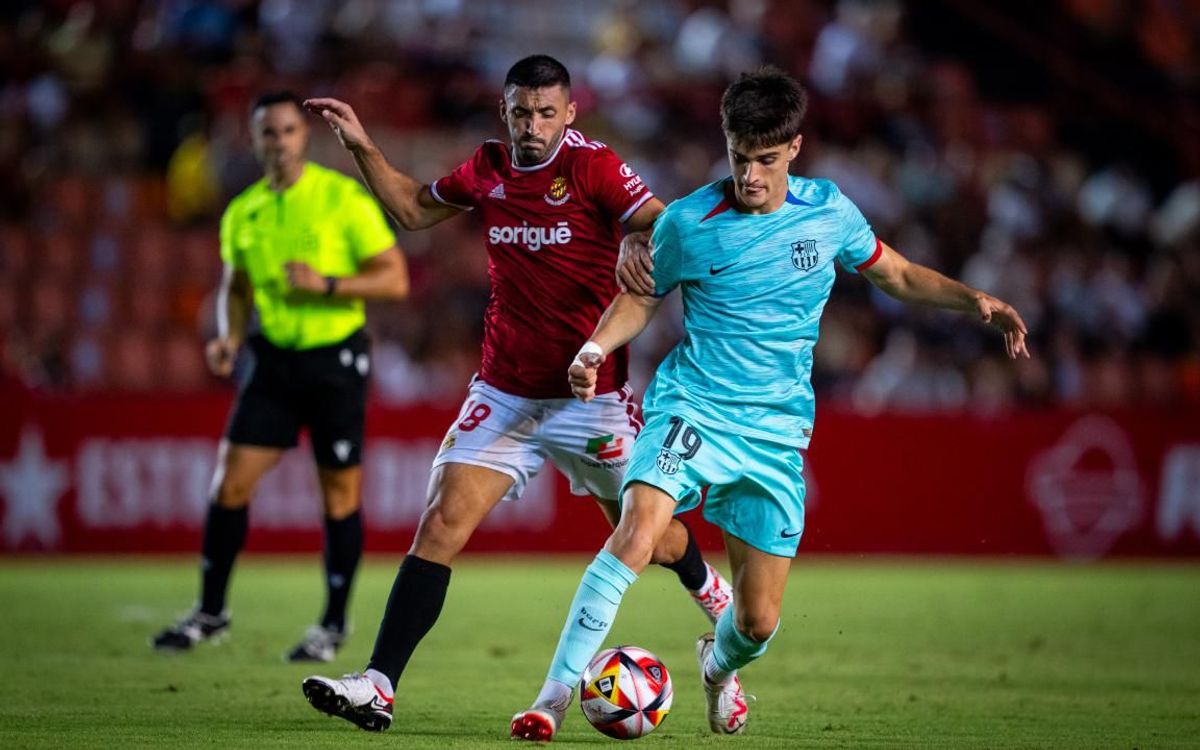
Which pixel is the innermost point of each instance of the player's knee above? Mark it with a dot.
(758, 626)
(441, 526)
(233, 493)
(633, 546)
(340, 505)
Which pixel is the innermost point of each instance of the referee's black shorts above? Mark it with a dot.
(323, 389)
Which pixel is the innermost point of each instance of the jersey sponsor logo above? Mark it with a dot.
(804, 254)
(557, 194)
(633, 182)
(714, 270)
(498, 192)
(533, 238)
(789, 534)
(606, 446)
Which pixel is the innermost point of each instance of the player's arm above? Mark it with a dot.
(381, 277)
(235, 301)
(635, 263)
(911, 282)
(410, 202)
(625, 318)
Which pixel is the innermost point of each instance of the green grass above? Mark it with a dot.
(882, 654)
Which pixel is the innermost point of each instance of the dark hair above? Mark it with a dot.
(276, 97)
(537, 71)
(763, 108)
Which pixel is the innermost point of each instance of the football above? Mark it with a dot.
(625, 692)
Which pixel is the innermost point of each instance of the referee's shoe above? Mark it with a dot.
(192, 629)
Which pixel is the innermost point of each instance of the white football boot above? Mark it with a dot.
(354, 698)
(540, 723)
(727, 709)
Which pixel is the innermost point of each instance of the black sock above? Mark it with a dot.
(343, 549)
(413, 607)
(690, 567)
(224, 534)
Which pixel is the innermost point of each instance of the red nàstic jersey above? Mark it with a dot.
(553, 232)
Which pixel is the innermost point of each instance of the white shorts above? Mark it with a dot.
(589, 443)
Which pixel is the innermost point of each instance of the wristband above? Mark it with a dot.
(330, 285)
(590, 347)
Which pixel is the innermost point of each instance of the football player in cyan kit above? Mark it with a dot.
(731, 407)
(552, 204)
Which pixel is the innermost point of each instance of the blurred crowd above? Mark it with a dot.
(1047, 152)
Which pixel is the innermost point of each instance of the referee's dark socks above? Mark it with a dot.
(690, 567)
(413, 607)
(343, 549)
(224, 534)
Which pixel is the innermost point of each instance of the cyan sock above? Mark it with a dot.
(732, 649)
(591, 616)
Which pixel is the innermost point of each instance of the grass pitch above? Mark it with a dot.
(875, 654)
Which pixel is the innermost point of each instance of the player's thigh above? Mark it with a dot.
(591, 443)
(759, 581)
(460, 497)
(239, 470)
(495, 430)
(645, 515)
(335, 382)
(765, 506)
(341, 490)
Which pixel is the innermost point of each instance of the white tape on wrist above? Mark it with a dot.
(590, 347)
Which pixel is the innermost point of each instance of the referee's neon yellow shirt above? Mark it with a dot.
(326, 220)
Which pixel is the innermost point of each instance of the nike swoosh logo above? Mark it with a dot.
(713, 270)
(583, 624)
(786, 535)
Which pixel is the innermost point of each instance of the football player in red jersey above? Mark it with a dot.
(552, 204)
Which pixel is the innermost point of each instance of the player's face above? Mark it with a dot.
(280, 135)
(536, 120)
(760, 175)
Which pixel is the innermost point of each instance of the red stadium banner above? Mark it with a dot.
(130, 474)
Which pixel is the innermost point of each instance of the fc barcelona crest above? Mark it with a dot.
(668, 461)
(804, 254)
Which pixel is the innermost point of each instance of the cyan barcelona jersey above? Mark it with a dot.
(753, 290)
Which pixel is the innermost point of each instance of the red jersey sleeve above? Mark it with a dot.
(459, 188)
(614, 186)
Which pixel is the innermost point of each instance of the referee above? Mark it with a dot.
(303, 247)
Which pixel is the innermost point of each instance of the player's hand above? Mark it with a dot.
(342, 121)
(302, 278)
(582, 372)
(220, 354)
(1002, 315)
(635, 264)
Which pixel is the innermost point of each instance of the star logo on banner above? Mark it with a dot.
(31, 484)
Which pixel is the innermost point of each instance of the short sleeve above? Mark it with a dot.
(614, 186)
(230, 255)
(459, 188)
(860, 247)
(668, 254)
(367, 229)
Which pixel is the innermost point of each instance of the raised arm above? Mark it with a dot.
(911, 282)
(410, 202)
(625, 318)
